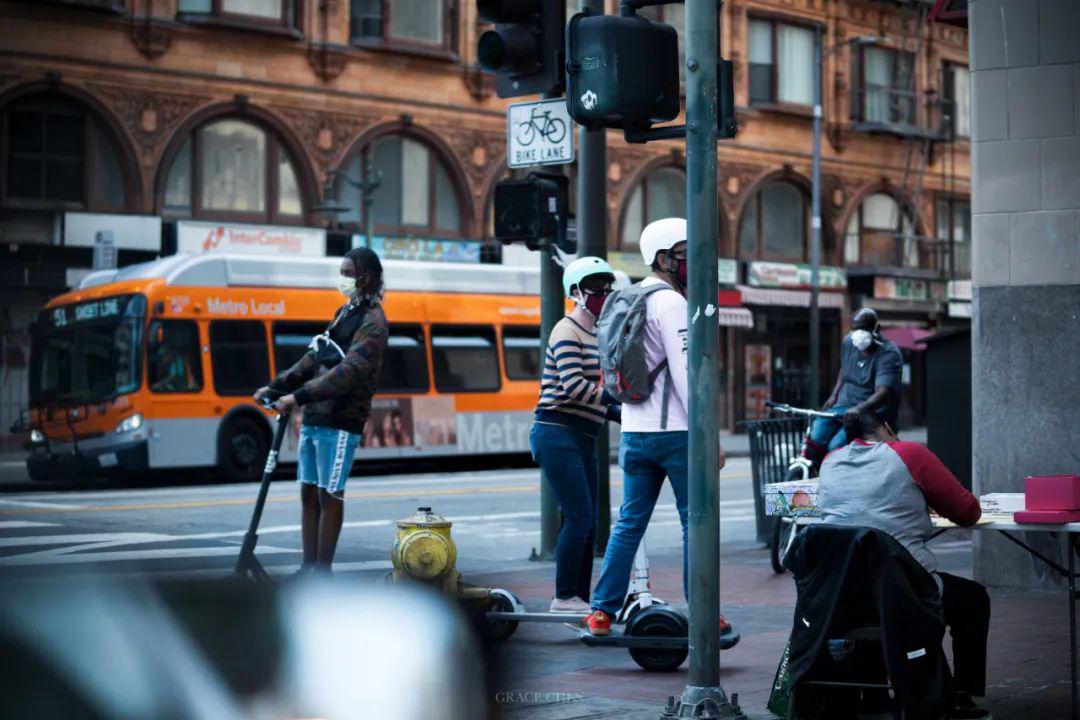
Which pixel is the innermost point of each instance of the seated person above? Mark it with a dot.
(883, 483)
(172, 371)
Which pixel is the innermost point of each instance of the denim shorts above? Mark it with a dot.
(325, 457)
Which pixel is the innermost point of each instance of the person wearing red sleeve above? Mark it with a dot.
(881, 482)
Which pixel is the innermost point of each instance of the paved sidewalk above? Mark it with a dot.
(549, 675)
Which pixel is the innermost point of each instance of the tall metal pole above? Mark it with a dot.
(592, 240)
(551, 311)
(703, 335)
(815, 234)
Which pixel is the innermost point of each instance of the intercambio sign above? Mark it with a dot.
(203, 237)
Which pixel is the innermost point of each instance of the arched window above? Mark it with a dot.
(416, 195)
(56, 154)
(879, 233)
(233, 169)
(774, 224)
(661, 194)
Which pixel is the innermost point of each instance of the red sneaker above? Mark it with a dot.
(597, 623)
(725, 626)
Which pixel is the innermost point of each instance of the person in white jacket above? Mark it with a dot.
(652, 447)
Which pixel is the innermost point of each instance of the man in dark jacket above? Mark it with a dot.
(334, 382)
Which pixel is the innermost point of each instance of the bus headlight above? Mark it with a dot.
(129, 424)
(36, 436)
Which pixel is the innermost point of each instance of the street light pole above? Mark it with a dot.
(815, 233)
(592, 240)
(703, 696)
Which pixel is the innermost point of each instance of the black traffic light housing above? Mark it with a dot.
(532, 210)
(525, 50)
(622, 71)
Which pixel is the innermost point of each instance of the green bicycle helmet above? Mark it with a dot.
(582, 268)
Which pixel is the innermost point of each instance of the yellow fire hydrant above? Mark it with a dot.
(424, 551)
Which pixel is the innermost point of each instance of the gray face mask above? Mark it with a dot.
(862, 339)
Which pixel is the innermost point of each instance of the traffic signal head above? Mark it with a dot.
(622, 72)
(532, 210)
(525, 50)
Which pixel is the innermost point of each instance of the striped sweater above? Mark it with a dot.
(570, 392)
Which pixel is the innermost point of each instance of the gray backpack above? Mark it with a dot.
(620, 336)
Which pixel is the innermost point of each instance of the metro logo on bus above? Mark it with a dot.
(217, 306)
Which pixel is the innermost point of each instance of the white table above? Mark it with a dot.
(1007, 528)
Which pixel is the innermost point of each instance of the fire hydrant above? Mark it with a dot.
(424, 552)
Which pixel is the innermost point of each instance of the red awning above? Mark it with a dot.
(907, 338)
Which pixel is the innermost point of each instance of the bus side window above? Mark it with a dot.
(465, 358)
(172, 353)
(404, 368)
(238, 356)
(291, 340)
(521, 351)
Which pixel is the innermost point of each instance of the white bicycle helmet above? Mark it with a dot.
(582, 268)
(661, 235)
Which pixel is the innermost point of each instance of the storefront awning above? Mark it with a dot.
(907, 338)
(789, 298)
(735, 317)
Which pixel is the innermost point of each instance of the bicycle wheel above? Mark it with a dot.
(782, 532)
(556, 130)
(526, 133)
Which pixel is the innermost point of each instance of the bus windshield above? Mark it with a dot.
(87, 352)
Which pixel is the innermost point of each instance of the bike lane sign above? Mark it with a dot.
(539, 133)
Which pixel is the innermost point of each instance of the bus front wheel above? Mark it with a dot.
(242, 450)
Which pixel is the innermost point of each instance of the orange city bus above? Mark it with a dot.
(154, 365)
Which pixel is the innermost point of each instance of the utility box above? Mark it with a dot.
(948, 400)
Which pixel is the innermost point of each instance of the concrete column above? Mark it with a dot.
(1025, 65)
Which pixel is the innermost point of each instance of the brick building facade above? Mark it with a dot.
(161, 113)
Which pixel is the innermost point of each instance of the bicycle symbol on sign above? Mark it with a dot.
(540, 121)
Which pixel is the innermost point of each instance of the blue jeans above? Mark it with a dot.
(646, 459)
(826, 435)
(568, 460)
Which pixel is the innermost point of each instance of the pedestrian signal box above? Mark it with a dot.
(532, 210)
(621, 71)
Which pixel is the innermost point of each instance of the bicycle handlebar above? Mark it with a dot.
(786, 409)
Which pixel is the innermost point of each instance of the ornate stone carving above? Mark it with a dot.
(326, 135)
(327, 59)
(149, 117)
(152, 36)
(479, 154)
(734, 180)
(480, 84)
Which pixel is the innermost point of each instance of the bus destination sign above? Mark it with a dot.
(86, 311)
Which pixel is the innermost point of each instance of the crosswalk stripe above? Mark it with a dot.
(130, 555)
(75, 539)
(20, 524)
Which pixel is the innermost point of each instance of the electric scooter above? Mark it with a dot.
(653, 631)
(247, 565)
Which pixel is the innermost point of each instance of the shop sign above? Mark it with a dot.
(423, 249)
(892, 288)
(791, 275)
(959, 309)
(959, 290)
(204, 237)
(727, 270)
(129, 232)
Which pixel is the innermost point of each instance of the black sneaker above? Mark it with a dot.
(964, 708)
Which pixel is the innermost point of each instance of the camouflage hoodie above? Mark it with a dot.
(340, 397)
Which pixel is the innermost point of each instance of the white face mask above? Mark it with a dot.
(861, 339)
(346, 285)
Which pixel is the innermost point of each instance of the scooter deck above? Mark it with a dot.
(617, 638)
(575, 618)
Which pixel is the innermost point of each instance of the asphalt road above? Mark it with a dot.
(191, 526)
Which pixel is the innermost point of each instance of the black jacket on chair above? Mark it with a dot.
(850, 577)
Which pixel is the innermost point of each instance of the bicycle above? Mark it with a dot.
(799, 468)
(553, 129)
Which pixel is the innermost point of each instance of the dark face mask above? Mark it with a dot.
(595, 303)
(680, 272)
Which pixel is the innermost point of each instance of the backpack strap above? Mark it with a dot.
(667, 394)
(655, 372)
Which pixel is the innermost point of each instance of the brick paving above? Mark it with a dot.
(547, 674)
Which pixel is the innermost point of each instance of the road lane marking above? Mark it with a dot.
(129, 555)
(77, 539)
(40, 505)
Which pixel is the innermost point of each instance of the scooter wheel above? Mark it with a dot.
(498, 629)
(658, 621)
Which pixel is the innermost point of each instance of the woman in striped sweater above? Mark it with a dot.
(569, 417)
